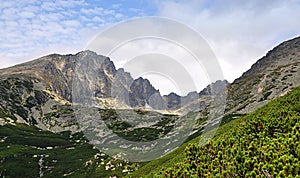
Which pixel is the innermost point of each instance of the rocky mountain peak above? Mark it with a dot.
(141, 91)
(89, 54)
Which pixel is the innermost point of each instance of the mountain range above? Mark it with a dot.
(41, 93)
(30, 90)
(42, 86)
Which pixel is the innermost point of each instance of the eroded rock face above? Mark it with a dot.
(173, 100)
(140, 92)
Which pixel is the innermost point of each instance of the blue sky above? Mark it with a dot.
(239, 31)
(32, 28)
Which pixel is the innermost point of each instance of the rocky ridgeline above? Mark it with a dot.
(41, 92)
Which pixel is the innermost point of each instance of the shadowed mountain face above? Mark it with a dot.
(40, 92)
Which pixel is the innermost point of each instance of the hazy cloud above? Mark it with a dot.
(30, 29)
(240, 32)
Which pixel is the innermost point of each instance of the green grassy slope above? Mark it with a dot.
(26, 151)
(264, 143)
(23, 147)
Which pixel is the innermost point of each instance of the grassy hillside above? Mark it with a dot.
(26, 151)
(264, 143)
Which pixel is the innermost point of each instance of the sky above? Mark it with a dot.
(238, 31)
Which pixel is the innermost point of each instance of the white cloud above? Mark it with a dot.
(52, 16)
(145, 56)
(240, 32)
(71, 23)
(11, 23)
(173, 48)
(27, 15)
(92, 11)
(97, 19)
(33, 28)
(108, 12)
(119, 15)
(116, 6)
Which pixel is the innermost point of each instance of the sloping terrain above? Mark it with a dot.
(271, 77)
(265, 143)
(26, 151)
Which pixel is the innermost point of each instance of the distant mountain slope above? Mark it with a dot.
(30, 152)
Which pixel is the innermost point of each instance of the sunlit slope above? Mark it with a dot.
(264, 143)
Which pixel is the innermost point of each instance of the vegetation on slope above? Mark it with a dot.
(266, 143)
(26, 151)
(127, 131)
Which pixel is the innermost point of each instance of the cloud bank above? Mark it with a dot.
(240, 32)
